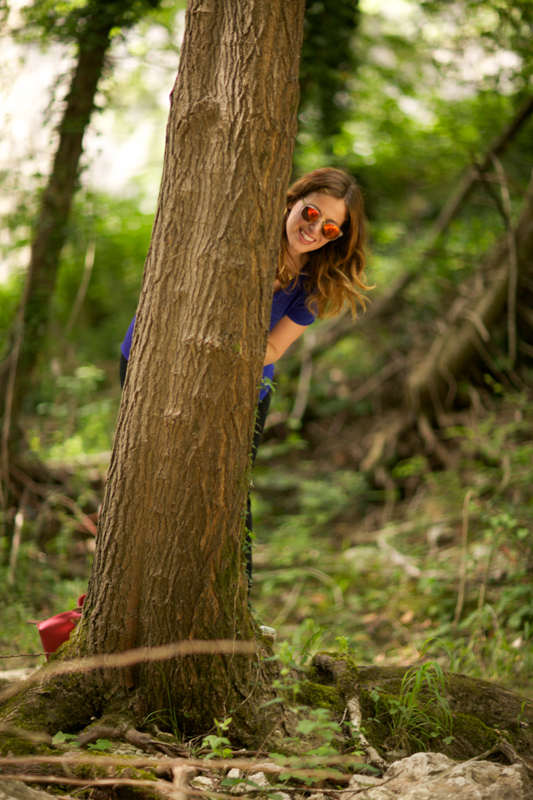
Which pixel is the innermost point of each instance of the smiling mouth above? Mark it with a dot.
(305, 236)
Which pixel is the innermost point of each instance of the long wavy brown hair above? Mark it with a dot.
(333, 273)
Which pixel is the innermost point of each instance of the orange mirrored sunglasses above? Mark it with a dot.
(330, 230)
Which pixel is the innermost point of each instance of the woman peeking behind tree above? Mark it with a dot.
(319, 273)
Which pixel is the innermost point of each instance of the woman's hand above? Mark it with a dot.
(280, 338)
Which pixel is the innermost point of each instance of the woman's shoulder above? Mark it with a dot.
(292, 301)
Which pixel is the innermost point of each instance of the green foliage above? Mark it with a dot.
(335, 577)
(62, 738)
(218, 744)
(101, 745)
(166, 717)
(320, 724)
(421, 712)
(75, 19)
(120, 233)
(77, 417)
(71, 740)
(319, 735)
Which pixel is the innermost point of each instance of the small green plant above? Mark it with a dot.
(421, 712)
(342, 641)
(316, 728)
(520, 719)
(219, 744)
(101, 745)
(344, 647)
(71, 740)
(292, 657)
(167, 717)
(319, 723)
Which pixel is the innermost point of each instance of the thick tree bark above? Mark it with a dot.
(169, 562)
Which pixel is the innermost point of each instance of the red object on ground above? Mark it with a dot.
(57, 629)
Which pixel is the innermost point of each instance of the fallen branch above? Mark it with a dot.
(513, 260)
(244, 764)
(453, 350)
(356, 718)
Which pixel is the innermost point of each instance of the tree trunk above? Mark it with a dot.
(169, 561)
(51, 229)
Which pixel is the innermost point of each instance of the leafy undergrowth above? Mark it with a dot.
(345, 563)
(341, 560)
(435, 553)
(317, 743)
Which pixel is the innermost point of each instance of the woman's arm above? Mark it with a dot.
(282, 335)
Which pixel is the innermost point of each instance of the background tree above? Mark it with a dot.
(329, 61)
(90, 26)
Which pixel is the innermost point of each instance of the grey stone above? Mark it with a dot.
(363, 781)
(17, 790)
(260, 779)
(252, 782)
(234, 773)
(433, 776)
(202, 782)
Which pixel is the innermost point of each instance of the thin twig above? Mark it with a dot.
(15, 543)
(513, 259)
(464, 554)
(24, 655)
(244, 764)
(84, 285)
(66, 779)
(304, 381)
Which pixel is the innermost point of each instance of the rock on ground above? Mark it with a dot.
(433, 776)
(17, 790)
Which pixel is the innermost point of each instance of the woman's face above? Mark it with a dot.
(303, 237)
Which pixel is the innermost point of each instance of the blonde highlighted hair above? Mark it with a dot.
(333, 273)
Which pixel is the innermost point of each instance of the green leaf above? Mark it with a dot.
(61, 737)
(100, 744)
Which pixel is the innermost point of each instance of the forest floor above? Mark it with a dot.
(376, 562)
(424, 560)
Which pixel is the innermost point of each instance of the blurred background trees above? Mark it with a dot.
(379, 519)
